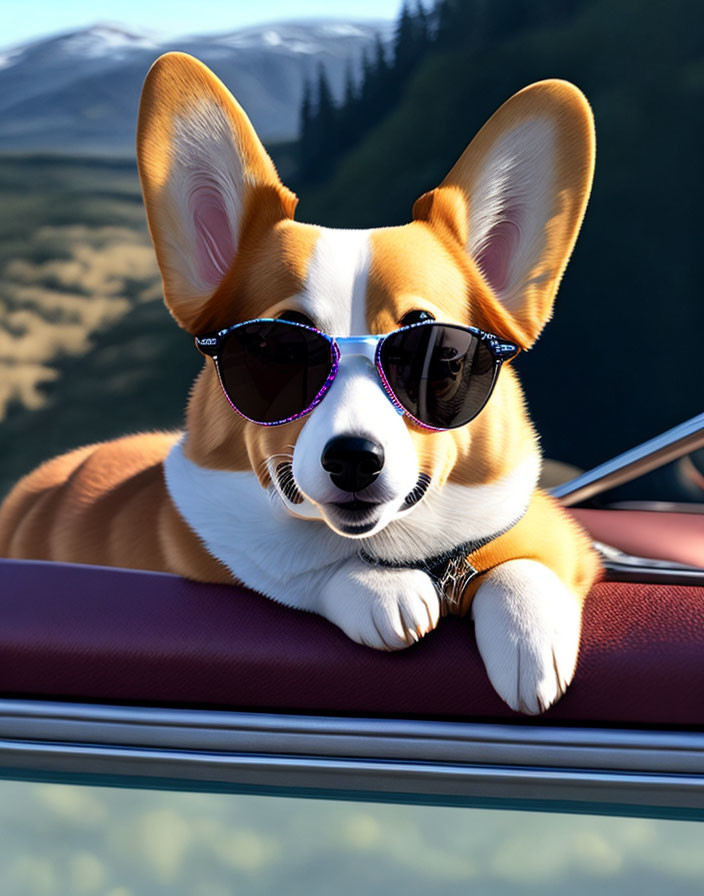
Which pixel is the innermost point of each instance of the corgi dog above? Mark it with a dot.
(357, 442)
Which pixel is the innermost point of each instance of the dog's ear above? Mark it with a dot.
(516, 197)
(205, 178)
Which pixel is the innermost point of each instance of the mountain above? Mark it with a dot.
(78, 92)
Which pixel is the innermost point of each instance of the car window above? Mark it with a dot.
(59, 839)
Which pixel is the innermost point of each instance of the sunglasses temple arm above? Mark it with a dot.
(505, 351)
(207, 345)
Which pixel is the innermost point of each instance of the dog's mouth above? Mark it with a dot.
(358, 517)
(354, 517)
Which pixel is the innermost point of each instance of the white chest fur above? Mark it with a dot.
(249, 530)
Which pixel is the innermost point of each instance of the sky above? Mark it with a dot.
(23, 20)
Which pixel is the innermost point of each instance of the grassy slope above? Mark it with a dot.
(77, 266)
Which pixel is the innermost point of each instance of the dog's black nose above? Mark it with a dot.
(353, 463)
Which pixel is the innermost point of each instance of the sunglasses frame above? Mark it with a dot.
(370, 346)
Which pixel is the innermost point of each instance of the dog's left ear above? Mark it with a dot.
(206, 179)
(516, 197)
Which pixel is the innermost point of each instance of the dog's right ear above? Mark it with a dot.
(205, 175)
(515, 200)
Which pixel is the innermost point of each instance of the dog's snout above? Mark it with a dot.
(352, 462)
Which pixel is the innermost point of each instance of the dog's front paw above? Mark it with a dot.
(384, 608)
(527, 624)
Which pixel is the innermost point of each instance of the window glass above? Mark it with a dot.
(60, 839)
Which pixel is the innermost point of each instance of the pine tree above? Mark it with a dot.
(348, 123)
(326, 136)
(326, 103)
(366, 88)
(422, 23)
(306, 139)
(327, 131)
(404, 44)
(306, 118)
(381, 63)
(462, 22)
(351, 94)
(380, 88)
(442, 13)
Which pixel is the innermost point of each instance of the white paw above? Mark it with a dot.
(384, 608)
(527, 624)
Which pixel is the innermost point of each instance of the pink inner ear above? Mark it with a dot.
(215, 241)
(494, 259)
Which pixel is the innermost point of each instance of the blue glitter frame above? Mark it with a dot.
(211, 344)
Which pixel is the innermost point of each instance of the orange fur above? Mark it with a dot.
(105, 504)
(546, 533)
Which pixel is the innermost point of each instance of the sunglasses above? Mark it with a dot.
(275, 371)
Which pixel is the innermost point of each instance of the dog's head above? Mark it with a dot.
(486, 248)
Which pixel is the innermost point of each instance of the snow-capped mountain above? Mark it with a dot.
(79, 92)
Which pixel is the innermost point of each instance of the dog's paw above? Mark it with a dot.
(527, 624)
(384, 608)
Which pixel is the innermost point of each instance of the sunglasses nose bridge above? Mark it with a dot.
(364, 346)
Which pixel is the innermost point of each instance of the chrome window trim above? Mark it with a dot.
(657, 506)
(630, 772)
(648, 456)
(623, 567)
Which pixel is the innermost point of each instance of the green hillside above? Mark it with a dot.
(87, 348)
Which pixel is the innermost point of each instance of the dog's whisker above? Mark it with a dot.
(264, 465)
(284, 454)
(282, 475)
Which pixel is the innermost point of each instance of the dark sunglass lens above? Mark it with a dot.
(273, 370)
(442, 375)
